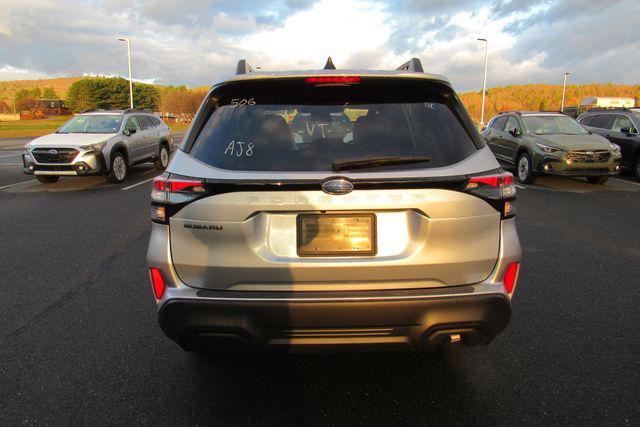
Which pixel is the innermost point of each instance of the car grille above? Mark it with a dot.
(54, 155)
(588, 156)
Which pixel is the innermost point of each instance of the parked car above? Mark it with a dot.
(99, 142)
(402, 236)
(552, 144)
(620, 126)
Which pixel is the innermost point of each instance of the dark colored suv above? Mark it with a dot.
(620, 126)
(550, 143)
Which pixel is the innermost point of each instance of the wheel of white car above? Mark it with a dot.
(163, 158)
(118, 170)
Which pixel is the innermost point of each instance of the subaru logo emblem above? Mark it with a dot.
(337, 186)
(590, 153)
(53, 151)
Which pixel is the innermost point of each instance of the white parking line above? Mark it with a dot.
(10, 164)
(520, 186)
(10, 155)
(138, 183)
(17, 183)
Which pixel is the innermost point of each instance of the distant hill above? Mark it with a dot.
(60, 85)
(536, 97)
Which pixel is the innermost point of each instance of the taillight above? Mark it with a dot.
(157, 280)
(511, 276)
(171, 193)
(498, 189)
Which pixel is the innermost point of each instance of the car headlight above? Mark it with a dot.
(27, 147)
(614, 147)
(94, 148)
(547, 148)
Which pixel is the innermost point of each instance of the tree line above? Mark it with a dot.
(111, 93)
(539, 97)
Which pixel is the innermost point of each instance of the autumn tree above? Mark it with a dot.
(110, 93)
(49, 93)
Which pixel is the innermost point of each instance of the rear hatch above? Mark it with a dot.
(312, 185)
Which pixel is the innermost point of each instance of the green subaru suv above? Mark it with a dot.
(550, 143)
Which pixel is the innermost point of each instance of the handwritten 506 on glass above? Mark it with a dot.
(235, 102)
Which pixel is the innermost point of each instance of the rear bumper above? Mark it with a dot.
(380, 321)
(332, 320)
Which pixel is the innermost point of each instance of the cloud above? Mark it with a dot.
(197, 42)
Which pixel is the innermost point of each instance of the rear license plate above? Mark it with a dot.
(336, 234)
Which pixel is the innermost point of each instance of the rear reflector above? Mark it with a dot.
(511, 276)
(157, 280)
(333, 80)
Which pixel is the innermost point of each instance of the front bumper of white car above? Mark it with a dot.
(63, 161)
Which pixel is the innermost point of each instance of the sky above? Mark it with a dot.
(198, 42)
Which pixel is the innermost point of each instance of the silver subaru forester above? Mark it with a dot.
(333, 210)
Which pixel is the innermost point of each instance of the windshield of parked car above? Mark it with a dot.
(550, 125)
(97, 123)
(321, 127)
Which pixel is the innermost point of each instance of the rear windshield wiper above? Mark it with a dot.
(367, 162)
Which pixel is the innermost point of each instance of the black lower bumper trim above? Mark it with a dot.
(402, 324)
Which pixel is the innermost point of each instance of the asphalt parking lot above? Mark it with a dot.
(79, 340)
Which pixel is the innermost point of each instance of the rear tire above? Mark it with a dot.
(597, 179)
(163, 158)
(118, 170)
(524, 169)
(47, 179)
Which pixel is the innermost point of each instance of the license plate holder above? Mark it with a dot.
(336, 234)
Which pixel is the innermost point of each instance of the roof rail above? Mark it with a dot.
(138, 110)
(608, 109)
(91, 110)
(413, 64)
(329, 65)
(243, 67)
(510, 112)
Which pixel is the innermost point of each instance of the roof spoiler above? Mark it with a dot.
(243, 67)
(413, 64)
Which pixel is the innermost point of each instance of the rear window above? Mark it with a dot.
(289, 125)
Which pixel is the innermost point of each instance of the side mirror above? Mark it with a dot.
(129, 132)
(515, 132)
(628, 131)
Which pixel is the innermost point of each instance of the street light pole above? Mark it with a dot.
(484, 84)
(125, 39)
(564, 87)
